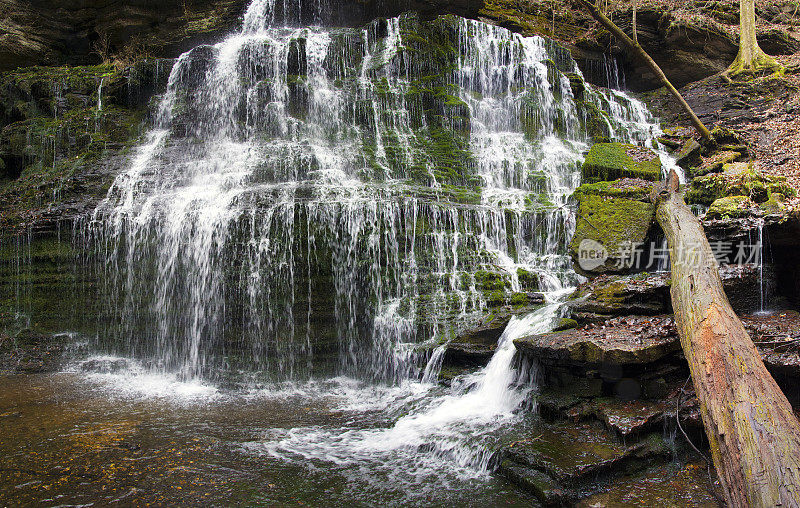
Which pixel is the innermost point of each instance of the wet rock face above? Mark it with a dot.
(63, 134)
(80, 32)
(28, 352)
(475, 346)
(563, 456)
(53, 32)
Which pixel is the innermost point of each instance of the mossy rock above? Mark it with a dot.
(632, 188)
(528, 281)
(610, 161)
(715, 163)
(611, 222)
(738, 179)
(730, 207)
(491, 281)
(594, 121)
(689, 153)
(565, 324)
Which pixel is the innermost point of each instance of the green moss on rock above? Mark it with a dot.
(730, 207)
(631, 188)
(565, 324)
(610, 161)
(715, 163)
(491, 281)
(529, 281)
(611, 222)
(737, 179)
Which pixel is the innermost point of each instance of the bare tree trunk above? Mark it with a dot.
(642, 54)
(635, 35)
(753, 433)
(750, 59)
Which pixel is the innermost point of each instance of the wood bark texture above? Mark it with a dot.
(751, 59)
(753, 433)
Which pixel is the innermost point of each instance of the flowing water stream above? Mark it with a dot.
(314, 214)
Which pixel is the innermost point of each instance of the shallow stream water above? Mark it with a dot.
(72, 440)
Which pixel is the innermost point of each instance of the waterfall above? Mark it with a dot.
(455, 429)
(321, 208)
(100, 97)
(316, 201)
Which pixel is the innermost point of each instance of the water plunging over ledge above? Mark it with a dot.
(321, 201)
(316, 212)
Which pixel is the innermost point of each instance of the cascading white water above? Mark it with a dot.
(307, 182)
(455, 428)
(314, 202)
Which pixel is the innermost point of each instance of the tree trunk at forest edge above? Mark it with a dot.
(753, 433)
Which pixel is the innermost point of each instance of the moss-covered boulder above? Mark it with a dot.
(610, 161)
(611, 218)
(731, 206)
(631, 188)
(738, 179)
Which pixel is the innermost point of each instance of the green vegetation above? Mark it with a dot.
(611, 222)
(609, 161)
(623, 188)
(738, 179)
(730, 207)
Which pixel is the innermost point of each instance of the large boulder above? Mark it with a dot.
(612, 216)
(610, 161)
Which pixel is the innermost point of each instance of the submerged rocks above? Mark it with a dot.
(565, 459)
(610, 161)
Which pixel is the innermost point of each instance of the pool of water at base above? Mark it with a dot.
(71, 439)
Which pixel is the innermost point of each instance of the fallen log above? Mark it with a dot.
(753, 433)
